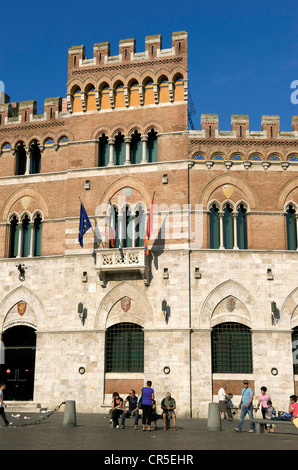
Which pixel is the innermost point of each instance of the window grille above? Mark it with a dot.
(231, 349)
(125, 348)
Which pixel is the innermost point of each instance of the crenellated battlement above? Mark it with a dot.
(270, 128)
(79, 64)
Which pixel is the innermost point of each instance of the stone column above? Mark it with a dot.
(144, 139)
(20, 224)
(28, 158)
(127, 141)
(111, 143)
(32, 239)
(235, 214)
(121, 232)
(221, 214)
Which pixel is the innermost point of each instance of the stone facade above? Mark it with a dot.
(193, 173)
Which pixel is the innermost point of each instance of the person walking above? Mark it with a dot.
(246, 407)
(3, 405)
(263, 401)
(222, 399)
(147, 402)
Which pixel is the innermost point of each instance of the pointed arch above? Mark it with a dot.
(20, 193)
(289, 311)
(110, 312)
(35, 317)
(254, 317)
(221, 180)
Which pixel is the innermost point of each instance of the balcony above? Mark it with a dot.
(122, 260)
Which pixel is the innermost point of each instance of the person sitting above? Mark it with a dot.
(292, 413)
(168, 406)
(117, 409)
(133, 409)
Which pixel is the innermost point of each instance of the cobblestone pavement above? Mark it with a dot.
(93, 432)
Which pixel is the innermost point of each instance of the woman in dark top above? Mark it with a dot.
(117, 408)
(147, 402)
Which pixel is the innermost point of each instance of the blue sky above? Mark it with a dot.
(243, 56)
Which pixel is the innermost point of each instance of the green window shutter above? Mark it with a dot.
(214, 227)
(228, 228)
(26, 237)
(140, 227)
(242, 228)
(128, 229)
(37, 236)
(104, 154)
(291, 229)
(13, 238)
(119, 150)
(136, 148)
(152, 147)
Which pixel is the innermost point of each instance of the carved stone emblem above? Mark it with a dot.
(125, 304)
(22, 308)
(230, 303)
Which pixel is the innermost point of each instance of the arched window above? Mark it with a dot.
(242, 227)
(164, 90)
(103, 151)
(125, 348)
(136, 148)
(291, 228)
(114, 228)
(77, 102)
(231, 349)
(127, 232)
(119, 149)
(119, 96)
(35, 158)
(91, 104)
(179, 89)
(148, 92)
(228, 228)
(140, 219)
(128, 226)
(105, 97)
(13, 237)
(26, 237)
(152, 146)
(37, 235)
(134, 94)
(214, 227)
(21, 159)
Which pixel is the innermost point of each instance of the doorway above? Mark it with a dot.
(19, 362)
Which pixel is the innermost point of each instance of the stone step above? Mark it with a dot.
(23, 406)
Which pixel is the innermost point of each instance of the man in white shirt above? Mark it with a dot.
(222, 398)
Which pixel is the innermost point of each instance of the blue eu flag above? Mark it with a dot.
(84, 224)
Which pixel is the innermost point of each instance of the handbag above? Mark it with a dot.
(140, 402)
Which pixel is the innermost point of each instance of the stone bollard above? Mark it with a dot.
(214, 421)
(69, 418)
